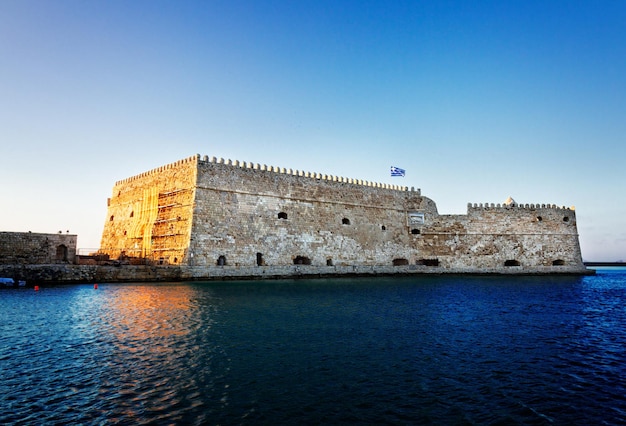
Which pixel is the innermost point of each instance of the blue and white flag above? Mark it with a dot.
(397, 171)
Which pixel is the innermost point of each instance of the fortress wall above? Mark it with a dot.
(482, 251)
(237, 216)
(266, 180)
(226, 225)
(150, 215)
(487, 237)
(514, 220)
(207, 213)
(24, 248)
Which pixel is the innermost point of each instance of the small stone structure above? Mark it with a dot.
(203, 212)
(29, 248)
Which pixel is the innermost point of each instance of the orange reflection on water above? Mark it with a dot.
(150, 313)
(151, 331)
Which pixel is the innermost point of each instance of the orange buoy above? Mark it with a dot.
(36, 288)
(95, 286)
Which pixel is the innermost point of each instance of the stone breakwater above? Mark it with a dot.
(75, 274)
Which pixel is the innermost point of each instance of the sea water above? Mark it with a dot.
(394, 350)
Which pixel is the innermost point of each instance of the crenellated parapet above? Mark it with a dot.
(159, 170)
(514, 206)
(194, 159)
(305, 174)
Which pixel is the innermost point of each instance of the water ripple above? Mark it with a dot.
(425, 350)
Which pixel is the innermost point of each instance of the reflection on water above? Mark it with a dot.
(471, 350)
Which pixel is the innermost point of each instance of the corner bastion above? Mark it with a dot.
(215, 217)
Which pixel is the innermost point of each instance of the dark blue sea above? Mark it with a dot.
(449, 350)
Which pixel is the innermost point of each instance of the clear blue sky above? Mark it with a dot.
(478, 101)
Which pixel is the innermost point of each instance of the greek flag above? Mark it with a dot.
(397, 171)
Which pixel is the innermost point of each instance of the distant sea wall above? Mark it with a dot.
(37, 248)
(75, 274)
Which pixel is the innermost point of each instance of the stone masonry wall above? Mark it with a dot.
(150, 215)
(515, 236)
(248, 215)
(207, 213)
(27, 248)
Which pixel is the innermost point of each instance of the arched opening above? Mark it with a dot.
(539, 218)
(428, 262)
(415, 231)
(111, 218)
(383, 227)
(282, 215)
(132, 214)
(400, 262)
(329, 262)
(511, 262)
(558, 262)
(61, 253)
(221, 261)
(259, 259)
(301, 260)
(345, 221)
(175, 260)
(565, 219)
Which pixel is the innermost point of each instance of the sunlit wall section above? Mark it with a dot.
(149, 215)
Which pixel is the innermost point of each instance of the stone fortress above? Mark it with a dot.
(209, 216)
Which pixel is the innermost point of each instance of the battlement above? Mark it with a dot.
(189, 160)
(194, 159)
(514, 206)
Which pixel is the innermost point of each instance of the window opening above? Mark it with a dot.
(511, 262)
(415, 231)
(221, 261)
(345, 221)
(301, 260)
(565, 219)
(329, 262)
(282, 215)
(259, 259)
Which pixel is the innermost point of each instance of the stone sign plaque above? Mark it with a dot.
(416, 218)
